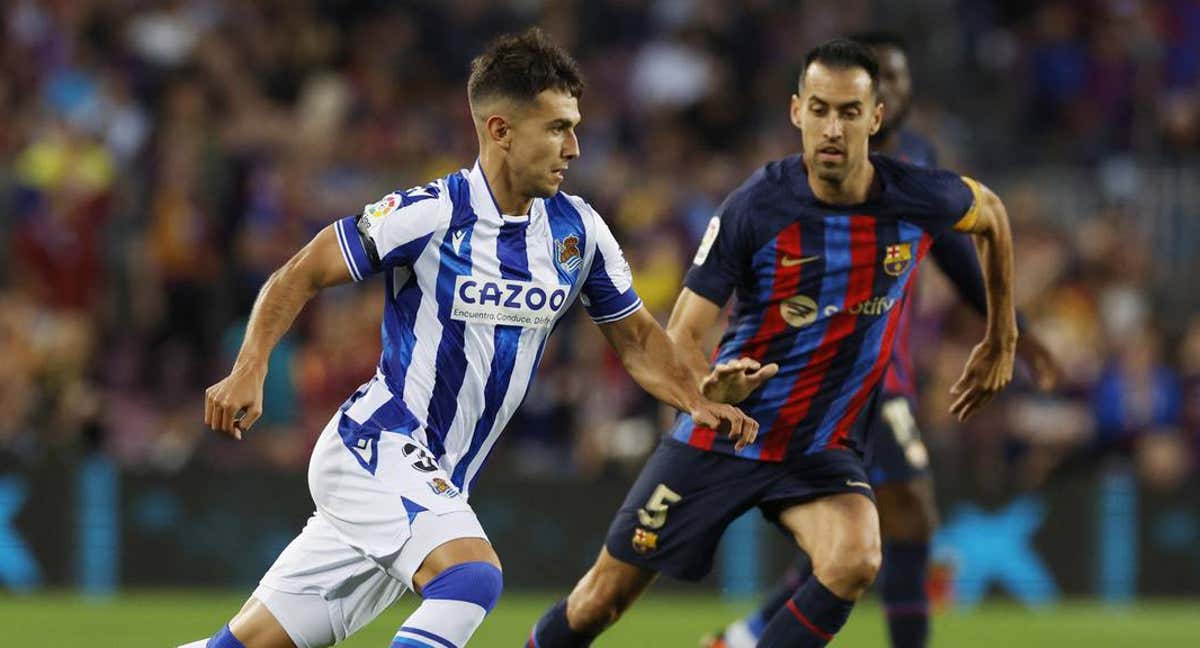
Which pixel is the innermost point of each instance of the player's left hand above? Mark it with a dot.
(733, 381)
(988, 370)
(741, 429)
(1043, 368)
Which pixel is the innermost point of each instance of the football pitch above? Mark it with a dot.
(661, 620)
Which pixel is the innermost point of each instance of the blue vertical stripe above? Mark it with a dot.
(1117, 530)
(399, 331)
(99, 526)
(514, 264)
(451, 364)
(750, 316)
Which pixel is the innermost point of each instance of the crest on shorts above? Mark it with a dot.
(897, 258)
(567, 252)
(644, 541)
(442, 487)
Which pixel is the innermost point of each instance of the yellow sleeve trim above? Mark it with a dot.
(967, 222)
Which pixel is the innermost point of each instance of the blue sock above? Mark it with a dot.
(809, 619)
(455, 604)
(553, 631)
(795, 576)
(903, 588)
(224, 639)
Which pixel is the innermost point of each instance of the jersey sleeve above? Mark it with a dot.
(722, 258)
(390, 232)
(955, 255)
(608, 293)
(943, 200)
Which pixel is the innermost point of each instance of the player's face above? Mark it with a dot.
(895, 85)
(544, 143)
(836, 113)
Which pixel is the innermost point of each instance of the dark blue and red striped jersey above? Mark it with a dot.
(818, 291)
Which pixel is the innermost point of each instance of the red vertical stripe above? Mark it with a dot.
(784, 284)
(881, 362)
(861, 282)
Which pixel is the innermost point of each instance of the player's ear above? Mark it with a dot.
(499, 131)
(795, 111)
(877, 116)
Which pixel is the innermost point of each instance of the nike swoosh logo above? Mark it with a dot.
(789, 262)
(858, 484)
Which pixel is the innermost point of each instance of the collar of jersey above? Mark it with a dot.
(479, 182)
(799, 184)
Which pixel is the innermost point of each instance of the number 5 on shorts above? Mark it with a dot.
(654, 514)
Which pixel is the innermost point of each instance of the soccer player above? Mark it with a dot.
(898, 463)
(820, 249)
(478, 266)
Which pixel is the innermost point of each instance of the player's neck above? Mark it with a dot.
(852, 190)
(510, 201)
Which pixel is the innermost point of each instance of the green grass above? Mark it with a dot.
(661, 620)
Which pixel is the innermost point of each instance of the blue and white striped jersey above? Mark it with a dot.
(472, 296)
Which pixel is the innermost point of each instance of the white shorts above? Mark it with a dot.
(359, 550)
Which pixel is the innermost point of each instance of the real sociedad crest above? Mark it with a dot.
(567, 251)
(897, 258)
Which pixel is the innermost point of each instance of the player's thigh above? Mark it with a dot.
(319, 590)
(834, 528)
(907, 509)
(451, 553)
(256, 627)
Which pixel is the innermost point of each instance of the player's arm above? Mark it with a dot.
(653, 361)
(318, 265)
(955, 255)
(692, 319)
(989, 368)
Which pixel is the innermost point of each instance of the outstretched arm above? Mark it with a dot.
(318, 265)
(662, 370)
(989, 368)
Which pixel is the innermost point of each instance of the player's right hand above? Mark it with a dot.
(734, 380)
(234, 404)
(989, 369)
(741, 429)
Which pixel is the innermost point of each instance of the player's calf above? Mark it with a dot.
(908, 517)
(600, 598)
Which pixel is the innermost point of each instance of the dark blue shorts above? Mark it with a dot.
(677, 510)
(895, 452)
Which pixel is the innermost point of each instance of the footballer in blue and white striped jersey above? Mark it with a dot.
(472, 292)
(471, 297)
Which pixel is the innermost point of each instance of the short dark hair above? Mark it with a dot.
(843, 54)
(522, 66)
(881, 38)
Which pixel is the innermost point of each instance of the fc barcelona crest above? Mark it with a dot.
(567, 252)
(897, 258)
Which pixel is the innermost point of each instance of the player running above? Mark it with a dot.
(820, 249)
(478, 266)
(898, 463)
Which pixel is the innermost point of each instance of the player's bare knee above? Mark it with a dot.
(850, 568)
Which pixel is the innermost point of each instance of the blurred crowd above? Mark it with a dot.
(158, 159)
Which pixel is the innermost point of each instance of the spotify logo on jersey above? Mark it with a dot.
(798, 311)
